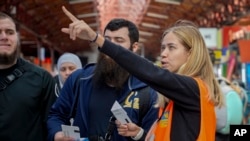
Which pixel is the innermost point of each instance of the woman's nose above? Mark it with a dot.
(164, 53)
(68, 72)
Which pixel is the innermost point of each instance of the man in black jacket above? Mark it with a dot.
(26, 91)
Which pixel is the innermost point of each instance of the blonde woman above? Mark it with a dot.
(186, 78)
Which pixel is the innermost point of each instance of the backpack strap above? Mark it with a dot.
(76, 90)
(14, 75)
(144, 102)
(144, 105)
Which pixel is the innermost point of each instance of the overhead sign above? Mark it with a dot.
(210, 36)
(244, 50)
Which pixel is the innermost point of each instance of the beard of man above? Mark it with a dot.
(109, 72)
(8, 59)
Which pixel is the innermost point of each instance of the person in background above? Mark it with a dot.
(231, 113)
(186, 79)
(236, 78)
(100, 85)
(26, 90)
(66, 64)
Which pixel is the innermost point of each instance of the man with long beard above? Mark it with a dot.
(102, 84)
(26, 91)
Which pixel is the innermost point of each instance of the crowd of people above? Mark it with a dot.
(178, 100)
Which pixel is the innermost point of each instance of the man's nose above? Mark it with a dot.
(3, 35)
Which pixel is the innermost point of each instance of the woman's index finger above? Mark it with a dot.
(72, 17)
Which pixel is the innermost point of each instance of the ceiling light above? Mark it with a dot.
(150, 25)
(87, 15)
(175, 2)
(79, 1)
(141, 40)
(145, 33)
(93, 25)
(157, 15)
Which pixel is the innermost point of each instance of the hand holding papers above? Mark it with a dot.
(119, 113)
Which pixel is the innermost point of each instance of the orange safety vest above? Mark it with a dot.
(160, 131)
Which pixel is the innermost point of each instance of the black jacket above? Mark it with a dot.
(181, 89)
(25, 103)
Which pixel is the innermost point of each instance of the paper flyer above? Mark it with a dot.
(71, 131)
(119, 113)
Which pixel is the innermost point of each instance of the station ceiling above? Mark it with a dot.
(40, 21)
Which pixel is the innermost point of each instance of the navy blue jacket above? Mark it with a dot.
(61, 109)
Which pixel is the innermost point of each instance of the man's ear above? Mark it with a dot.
(135, 47)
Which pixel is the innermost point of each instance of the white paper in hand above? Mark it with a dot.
(71, 131)
(119, 113)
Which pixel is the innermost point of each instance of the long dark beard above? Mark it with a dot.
(6, 59)
(109, 72)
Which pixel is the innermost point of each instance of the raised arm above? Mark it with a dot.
(79, 29)
(176, 87)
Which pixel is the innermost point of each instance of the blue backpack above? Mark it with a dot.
(232, 112)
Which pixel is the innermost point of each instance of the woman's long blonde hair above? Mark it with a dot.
(199, 63)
